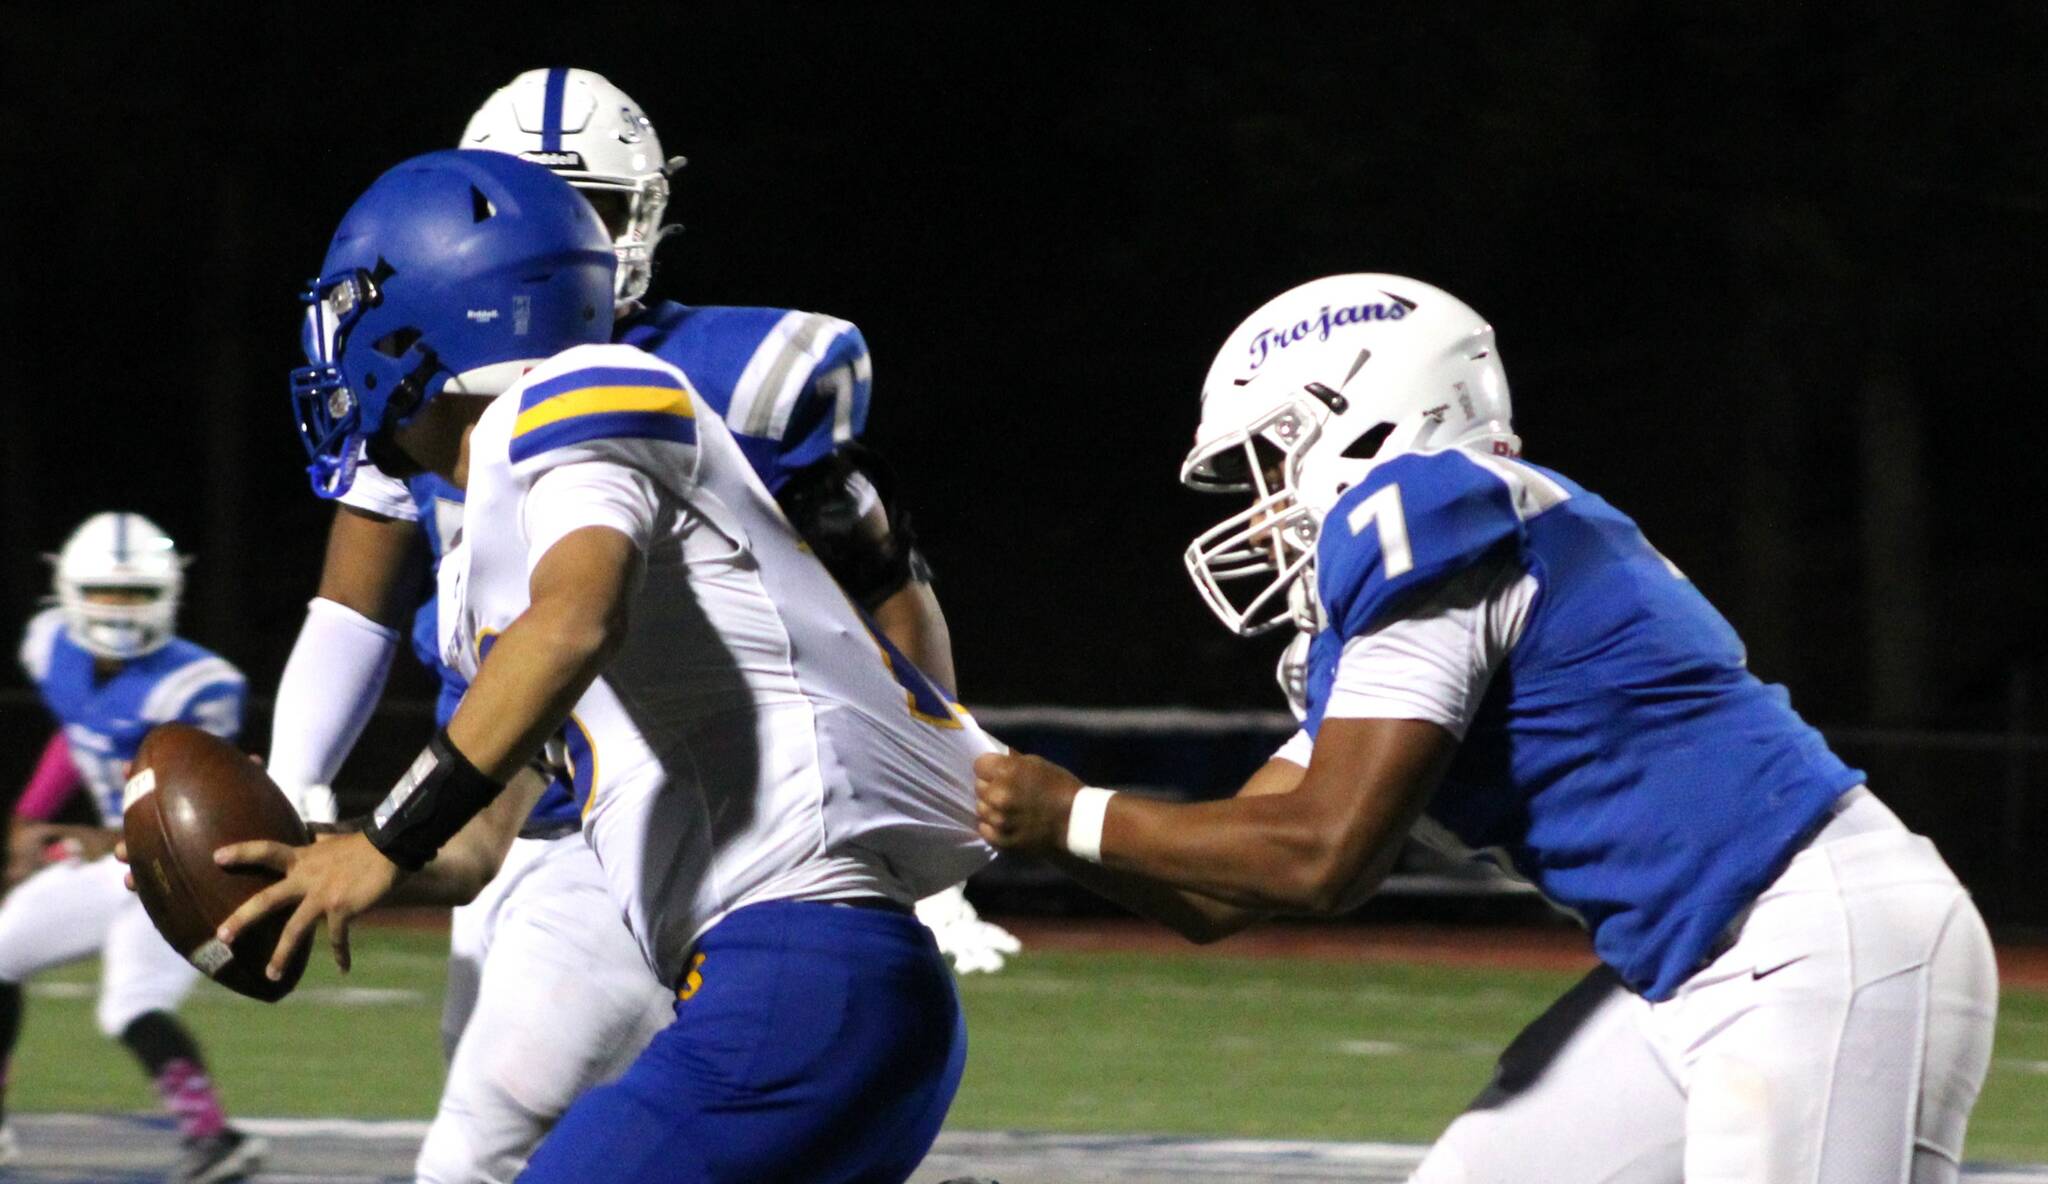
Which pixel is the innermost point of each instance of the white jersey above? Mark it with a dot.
(754, 739)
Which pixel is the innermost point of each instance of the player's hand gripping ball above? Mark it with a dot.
(190, 792)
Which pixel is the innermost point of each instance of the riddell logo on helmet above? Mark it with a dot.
(555, 160)
(1323, 322)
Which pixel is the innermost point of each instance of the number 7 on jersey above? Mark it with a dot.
(1384, 509)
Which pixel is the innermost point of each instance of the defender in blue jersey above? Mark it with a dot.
(107, 665)
(794, 388)
(1793, 986)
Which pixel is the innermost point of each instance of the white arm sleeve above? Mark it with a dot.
(590, 493)
(372, 491)
(1435, 663)
(1296, 750)
(39, 641)
(330, 687)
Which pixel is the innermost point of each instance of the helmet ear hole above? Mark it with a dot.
(1368, 445)
(480, 207)
(395, 343)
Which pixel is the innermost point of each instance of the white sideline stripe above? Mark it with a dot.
(1171, 720)
(314, 996)
(1371, 1048)
(62, 990)
(1220, 1159)
(364, 1129)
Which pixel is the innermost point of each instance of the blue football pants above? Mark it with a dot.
(815, 1044)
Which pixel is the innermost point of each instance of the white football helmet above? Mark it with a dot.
(1308, 394)
(128, 555)
(595, 136)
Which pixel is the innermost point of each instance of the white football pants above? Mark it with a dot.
(547, 996)
(1841, 1039)
(74, 909)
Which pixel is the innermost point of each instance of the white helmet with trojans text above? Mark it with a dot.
(1308, 394)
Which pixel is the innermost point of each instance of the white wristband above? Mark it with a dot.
(1084, 822)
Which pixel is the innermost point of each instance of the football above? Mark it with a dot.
(190, 792)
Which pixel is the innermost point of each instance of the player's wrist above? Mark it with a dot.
(1085, 817)
(438, 795)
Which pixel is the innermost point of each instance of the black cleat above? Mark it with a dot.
(219, 1158)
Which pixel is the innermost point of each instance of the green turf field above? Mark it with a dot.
(1070, 1042)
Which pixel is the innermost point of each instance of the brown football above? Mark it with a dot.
(190, 792)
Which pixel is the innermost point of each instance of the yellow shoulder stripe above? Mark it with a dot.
(590, 400)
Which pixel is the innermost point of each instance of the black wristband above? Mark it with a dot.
(436, 797)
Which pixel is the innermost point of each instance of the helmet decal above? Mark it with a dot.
(1265, 341)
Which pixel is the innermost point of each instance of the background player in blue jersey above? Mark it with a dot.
(1794, 987)
(794, 387)
(108, 667)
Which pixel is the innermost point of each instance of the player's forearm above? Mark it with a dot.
(469, 860)
(1198, 918)
(1256, 854)
(1194, 916)
(547, 658)
(1317, 842)
(538, 669)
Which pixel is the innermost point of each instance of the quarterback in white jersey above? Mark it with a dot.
(821, 765)
(766, 783)
(560, 1006)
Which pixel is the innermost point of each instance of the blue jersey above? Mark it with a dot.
(105, 719)
(792, 385)
(1623, 755)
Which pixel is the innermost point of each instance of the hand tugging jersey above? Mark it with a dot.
(1615, 745)
(104, 720)
(792, 385)
(754, 739)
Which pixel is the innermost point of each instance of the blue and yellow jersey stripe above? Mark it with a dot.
(600, 403)
(582, 751)
(927, 703)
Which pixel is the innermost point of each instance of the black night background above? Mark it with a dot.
(1766, 275)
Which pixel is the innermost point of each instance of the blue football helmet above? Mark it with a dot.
(457, 270)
